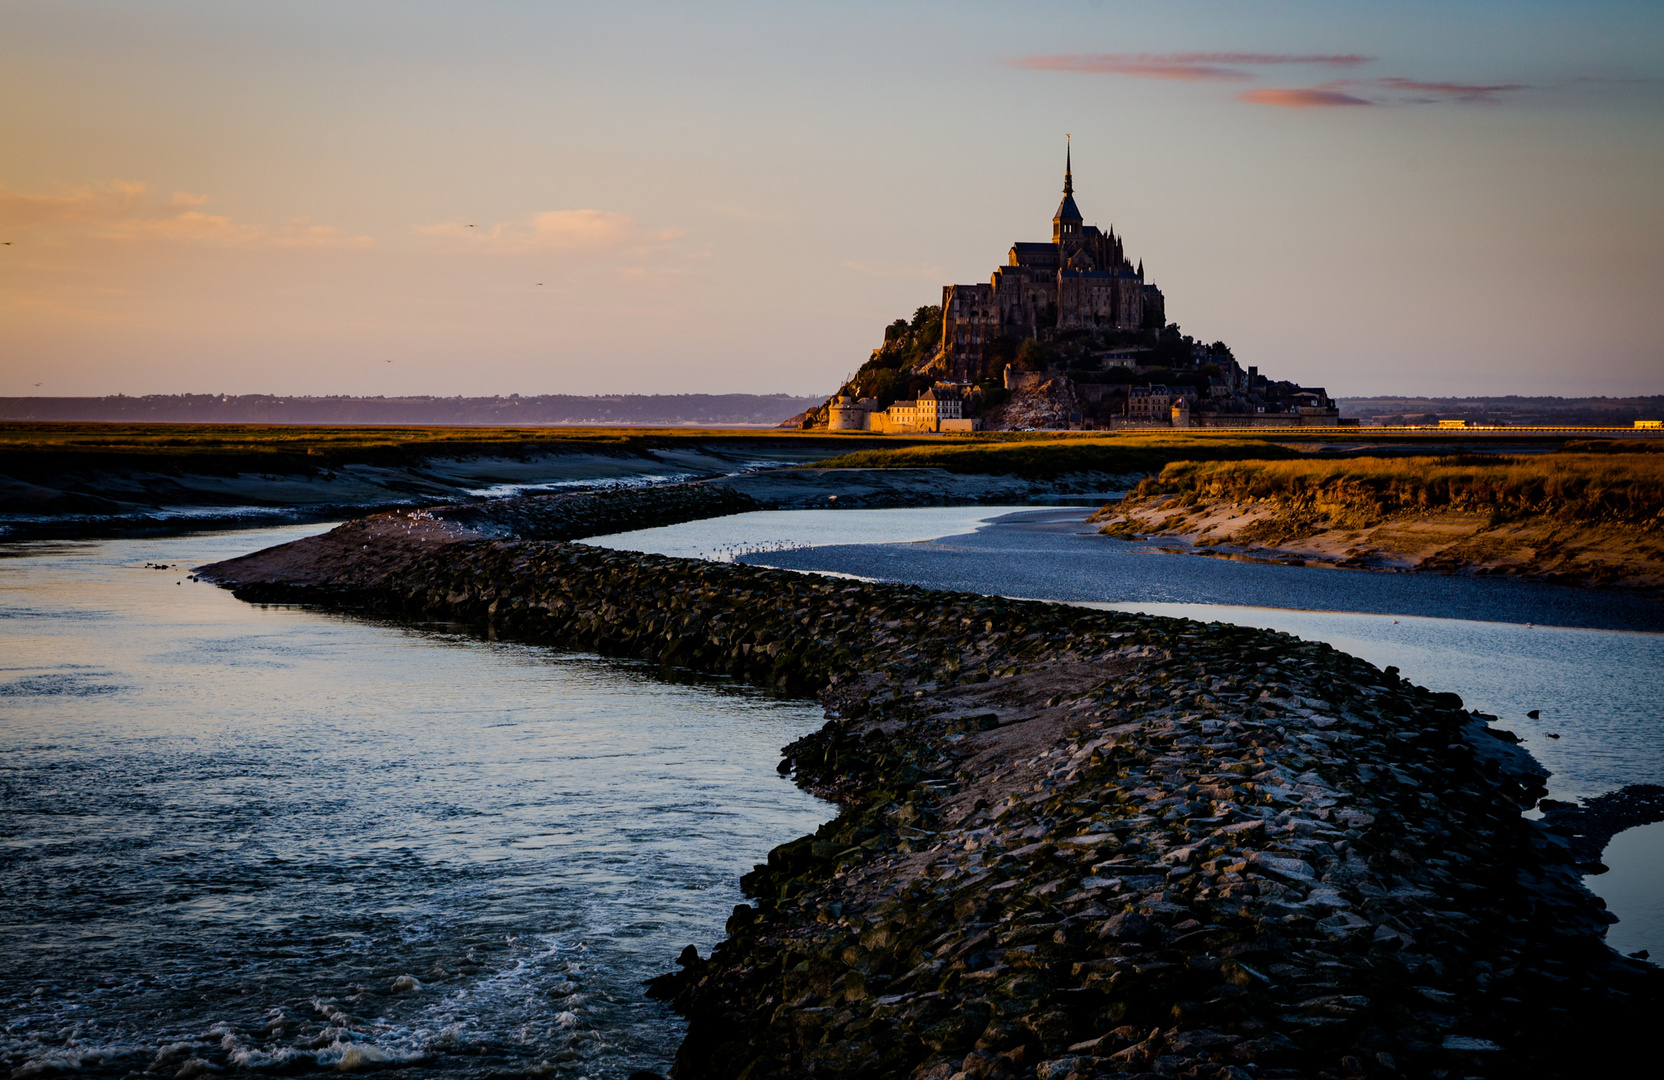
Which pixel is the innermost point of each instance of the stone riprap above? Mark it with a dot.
(373, 552)
(571, 515)
(1071, 844)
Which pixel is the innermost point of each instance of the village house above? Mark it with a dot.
(938, 409)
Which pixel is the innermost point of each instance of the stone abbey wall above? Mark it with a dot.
(1080, 280)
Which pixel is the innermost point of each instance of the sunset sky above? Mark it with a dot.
(416, 197)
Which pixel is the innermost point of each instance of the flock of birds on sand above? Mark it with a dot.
(735, 552)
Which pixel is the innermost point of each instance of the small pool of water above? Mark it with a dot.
(1634, 890)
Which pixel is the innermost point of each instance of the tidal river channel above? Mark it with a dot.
(280, 840)
(1590, 664)
(273, 839)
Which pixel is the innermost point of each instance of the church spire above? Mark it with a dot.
(1066, 223)
(1068, 167)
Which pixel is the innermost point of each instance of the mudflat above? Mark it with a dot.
(103, 479)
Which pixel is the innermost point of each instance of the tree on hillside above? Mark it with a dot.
(890, 373)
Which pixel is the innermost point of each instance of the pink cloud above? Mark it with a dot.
(1314, 97)
(122, 210)
(1189, 66)
(1239, 67)
(1450, 91)
(1387, 91)
(558, 230)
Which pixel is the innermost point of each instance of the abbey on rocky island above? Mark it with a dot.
(1067, 334)
(1081, 280)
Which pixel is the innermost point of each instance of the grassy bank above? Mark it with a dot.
(1588, 487)
(30, 447)
(283, 447)
(1046, 457)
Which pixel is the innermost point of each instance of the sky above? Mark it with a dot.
(492, 197)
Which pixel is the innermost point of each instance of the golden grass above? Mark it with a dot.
(1024, 454)
(192, 442)
(1575, 486)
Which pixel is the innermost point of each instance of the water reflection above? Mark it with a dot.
(274, 838)
(1634, 890)
(760, 532)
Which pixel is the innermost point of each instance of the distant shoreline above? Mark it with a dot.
(600, 410)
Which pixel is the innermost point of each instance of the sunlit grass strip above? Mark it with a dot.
(1049, 457)
(1584, 487)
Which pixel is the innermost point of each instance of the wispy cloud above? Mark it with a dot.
(1388, 91)
(125, 211)
(558, 230)
(1187, 66)
(902, 271)
(1308, 98)
(1449, 91)
(1238, 67)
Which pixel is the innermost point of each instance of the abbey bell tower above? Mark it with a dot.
(1067, 221)
(1080, 282)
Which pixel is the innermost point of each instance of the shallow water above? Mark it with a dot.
(1588, 662)
(1055, 555)
(772, 532)
(1634, 889)
(285, 840)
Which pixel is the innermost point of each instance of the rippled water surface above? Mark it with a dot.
(275, 839)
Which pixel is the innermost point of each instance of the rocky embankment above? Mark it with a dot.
(1071, 844)
(1587, 555)
(1585, 515)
